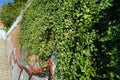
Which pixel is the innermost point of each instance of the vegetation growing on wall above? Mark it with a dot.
(85, 33)
(10, 11)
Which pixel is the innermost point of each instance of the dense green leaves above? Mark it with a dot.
(10, 11)
(85, 33)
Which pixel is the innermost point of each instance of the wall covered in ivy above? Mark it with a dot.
(86, 34)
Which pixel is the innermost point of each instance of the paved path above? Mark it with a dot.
(4, 72)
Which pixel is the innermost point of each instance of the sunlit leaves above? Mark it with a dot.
(71, 27)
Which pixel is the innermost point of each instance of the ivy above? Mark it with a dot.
(74, 28)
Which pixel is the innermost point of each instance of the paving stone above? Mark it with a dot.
(4, 68)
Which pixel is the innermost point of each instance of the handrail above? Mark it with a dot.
(19, 18)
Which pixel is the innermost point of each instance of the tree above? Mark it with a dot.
(10, 11)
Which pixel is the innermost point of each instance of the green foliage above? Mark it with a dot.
(10, 11)
(37, 41)
(107, 61)
(86, 48)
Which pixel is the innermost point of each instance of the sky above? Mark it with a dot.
(2, 1)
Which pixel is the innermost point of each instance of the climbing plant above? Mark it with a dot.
(82, 33)
(107, 56)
